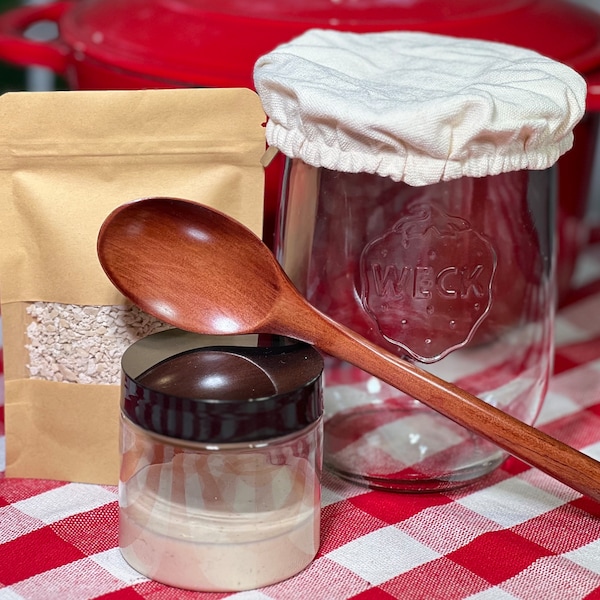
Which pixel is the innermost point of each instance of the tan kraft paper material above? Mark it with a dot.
(67, 159)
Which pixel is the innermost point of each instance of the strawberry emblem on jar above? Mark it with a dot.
(427, 282)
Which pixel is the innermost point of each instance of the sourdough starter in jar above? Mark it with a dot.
(221, 492)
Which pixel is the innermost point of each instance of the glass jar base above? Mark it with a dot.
(223, 555)
(409, 448)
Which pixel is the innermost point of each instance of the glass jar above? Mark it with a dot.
(221, 442)
(457, 277)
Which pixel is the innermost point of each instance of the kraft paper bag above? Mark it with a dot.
(67, 159)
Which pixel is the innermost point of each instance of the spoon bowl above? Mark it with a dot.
(200, 270)
(168, 267)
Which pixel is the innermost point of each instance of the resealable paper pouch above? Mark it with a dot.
(67, 159)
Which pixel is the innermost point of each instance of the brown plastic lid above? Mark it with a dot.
(222, 389)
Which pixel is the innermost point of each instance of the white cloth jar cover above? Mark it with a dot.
(417, 107)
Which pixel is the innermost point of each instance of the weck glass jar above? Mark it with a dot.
(418, 210)
(457, 277)
(221, 443)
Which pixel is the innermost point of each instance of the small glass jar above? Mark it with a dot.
(457, 277)
(221, 443)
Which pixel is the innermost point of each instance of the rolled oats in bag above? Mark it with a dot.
(67, 159)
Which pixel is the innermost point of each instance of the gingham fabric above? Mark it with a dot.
(518, 534)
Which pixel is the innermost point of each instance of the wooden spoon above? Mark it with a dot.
(202, 271)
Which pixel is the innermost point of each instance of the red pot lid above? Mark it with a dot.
(208, 43)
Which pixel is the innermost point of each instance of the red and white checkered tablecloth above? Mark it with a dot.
(518, 534)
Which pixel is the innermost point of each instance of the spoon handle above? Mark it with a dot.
(553, 457)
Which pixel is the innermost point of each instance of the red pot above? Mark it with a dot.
(132, 44)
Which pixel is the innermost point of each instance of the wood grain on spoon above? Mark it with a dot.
(204, 272)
